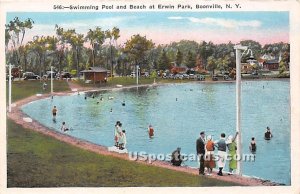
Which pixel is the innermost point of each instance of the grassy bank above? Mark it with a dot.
(36, 160)
(23, 89)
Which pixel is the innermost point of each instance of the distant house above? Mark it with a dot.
(271, 65)
(95, 74)
(179, 69)
(271, 62)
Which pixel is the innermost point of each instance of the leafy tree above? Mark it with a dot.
(211, 64)
(15, 32)
(39, 47)
(96, 39)
(190, 60)
(205, 50)
(282, 67)
(76, 41)
(137, 48)
(163, 61)
(179, 58)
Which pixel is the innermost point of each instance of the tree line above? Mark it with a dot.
(71, 51)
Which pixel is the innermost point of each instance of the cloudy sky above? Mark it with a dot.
(166, 27)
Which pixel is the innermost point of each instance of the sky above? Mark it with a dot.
(167, 27)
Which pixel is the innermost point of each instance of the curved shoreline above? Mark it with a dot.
(17, 116)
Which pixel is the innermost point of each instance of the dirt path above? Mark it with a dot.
(17, 115)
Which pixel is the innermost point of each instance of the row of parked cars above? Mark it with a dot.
(183, 76)
(33, 76)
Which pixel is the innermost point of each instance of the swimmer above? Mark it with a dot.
(268, 134)
(54, 112)
(64, 128)
(150, 131)
(85, 97)
(111, 110)
(252, 145)
(123, 103)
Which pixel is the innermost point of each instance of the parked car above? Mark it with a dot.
(192, 76)
(227, 78)
(171, 76)
(63, 75)
(178, 76)
(30, 75)
(200, 77)
(48, 75)
(132, 74)
(215, 78)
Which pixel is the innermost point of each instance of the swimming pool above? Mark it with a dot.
(178, 112)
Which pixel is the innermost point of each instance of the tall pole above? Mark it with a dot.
(238, 49)
(9, 89)
(51, 79)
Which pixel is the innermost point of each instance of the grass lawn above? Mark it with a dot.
(35, 160)
(26, 88)
(111, 82)
(127, 81)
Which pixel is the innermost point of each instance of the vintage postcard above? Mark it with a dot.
(160, 96)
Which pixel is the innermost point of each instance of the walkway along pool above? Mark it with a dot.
(199, 106)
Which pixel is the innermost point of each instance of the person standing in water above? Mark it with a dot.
(252, 145)
(54, 112)
(150, 131)
(268, 134)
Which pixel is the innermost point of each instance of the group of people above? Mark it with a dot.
(120, 136)
(205, 150)
(226, 149)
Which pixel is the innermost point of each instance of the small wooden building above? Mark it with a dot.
(271, 65)
(95, 74)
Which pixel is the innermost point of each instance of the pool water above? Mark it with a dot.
(178, 112)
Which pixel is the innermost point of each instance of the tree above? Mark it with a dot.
(137, 48)
(15, 31)
(190, 60)
(163, 61)
(211, 64)
(179, 57)
(39, 47)
(96, 38)
(115, 32)
(223, 63)
(282, 67)
(205, 50)
(76, 41)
